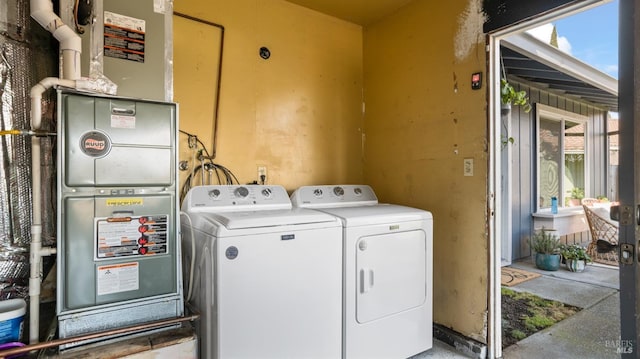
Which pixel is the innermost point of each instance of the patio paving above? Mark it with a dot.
(593, 332)
(596, 274)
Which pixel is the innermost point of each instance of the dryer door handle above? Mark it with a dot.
(366, 280)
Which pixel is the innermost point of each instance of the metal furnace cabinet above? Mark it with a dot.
(118, 251)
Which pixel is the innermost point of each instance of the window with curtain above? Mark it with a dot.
(561, 144)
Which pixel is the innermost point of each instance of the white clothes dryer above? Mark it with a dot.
(387, 271)
(265, 277)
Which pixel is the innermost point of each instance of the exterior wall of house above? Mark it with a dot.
(422, 120)
(299, 113)
(523, 164)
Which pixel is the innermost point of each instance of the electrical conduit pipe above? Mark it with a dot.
(70, 46)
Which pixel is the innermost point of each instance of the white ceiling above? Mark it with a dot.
(362, 12)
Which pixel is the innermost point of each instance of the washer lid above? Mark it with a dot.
(376, 214)
(268, 218)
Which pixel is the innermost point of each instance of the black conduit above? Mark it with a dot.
(214, 145)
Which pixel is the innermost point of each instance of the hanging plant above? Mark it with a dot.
(509, 96)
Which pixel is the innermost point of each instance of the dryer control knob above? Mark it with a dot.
(266, 192)
(357, 191)
(338, 191)
(241, 192)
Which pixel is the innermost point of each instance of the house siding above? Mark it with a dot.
(523, 166)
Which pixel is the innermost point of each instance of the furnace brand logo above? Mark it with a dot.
(95, 144)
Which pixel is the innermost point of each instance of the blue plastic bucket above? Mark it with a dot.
(12, 313)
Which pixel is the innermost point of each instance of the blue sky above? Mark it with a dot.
(591, 36)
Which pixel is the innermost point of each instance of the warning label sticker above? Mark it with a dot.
(119, 121)
(124, 37)
(125, 202)
(132, 236)
(118, 278)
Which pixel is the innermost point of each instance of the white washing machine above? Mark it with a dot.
(387, 274)
(266, 277)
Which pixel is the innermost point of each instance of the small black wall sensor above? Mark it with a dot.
(265, 53)
(476, 81)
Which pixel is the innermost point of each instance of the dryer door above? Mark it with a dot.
(391, 274)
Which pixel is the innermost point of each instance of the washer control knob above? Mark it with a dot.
(214, 193)
(338, 191)
(317, 192)
(357, 191)
(266, 192)
(241, 192)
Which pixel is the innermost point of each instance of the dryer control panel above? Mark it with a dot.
(333, 196)
(236, 197)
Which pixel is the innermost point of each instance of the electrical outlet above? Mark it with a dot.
(262, 174)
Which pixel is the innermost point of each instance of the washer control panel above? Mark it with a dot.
(236, 197)
(333, 196)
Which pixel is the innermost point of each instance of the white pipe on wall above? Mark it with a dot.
(70, 42)
(36, 249)
(71, 47)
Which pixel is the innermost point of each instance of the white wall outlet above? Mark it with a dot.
(468, 166)
(262, 174)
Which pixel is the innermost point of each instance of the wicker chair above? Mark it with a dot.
(589, 201)
(602, 229)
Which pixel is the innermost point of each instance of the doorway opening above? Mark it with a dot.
(518, 168)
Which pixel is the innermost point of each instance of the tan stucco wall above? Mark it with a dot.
(298, 113)
(421, 120)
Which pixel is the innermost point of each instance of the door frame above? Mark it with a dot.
(629, 175)
(496, 170)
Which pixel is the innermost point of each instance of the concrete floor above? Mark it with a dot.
(440, 350)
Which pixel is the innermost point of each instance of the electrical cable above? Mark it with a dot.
(222, 173)
(79, 29)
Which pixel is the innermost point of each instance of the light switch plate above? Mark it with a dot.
(468, 166)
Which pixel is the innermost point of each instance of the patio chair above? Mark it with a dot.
(589, 201)
(601, 229)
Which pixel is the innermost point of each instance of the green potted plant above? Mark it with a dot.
(576, 196)
(575, 257)
(546, 245)
(508, 97)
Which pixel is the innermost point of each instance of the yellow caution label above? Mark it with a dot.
(121, 202)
